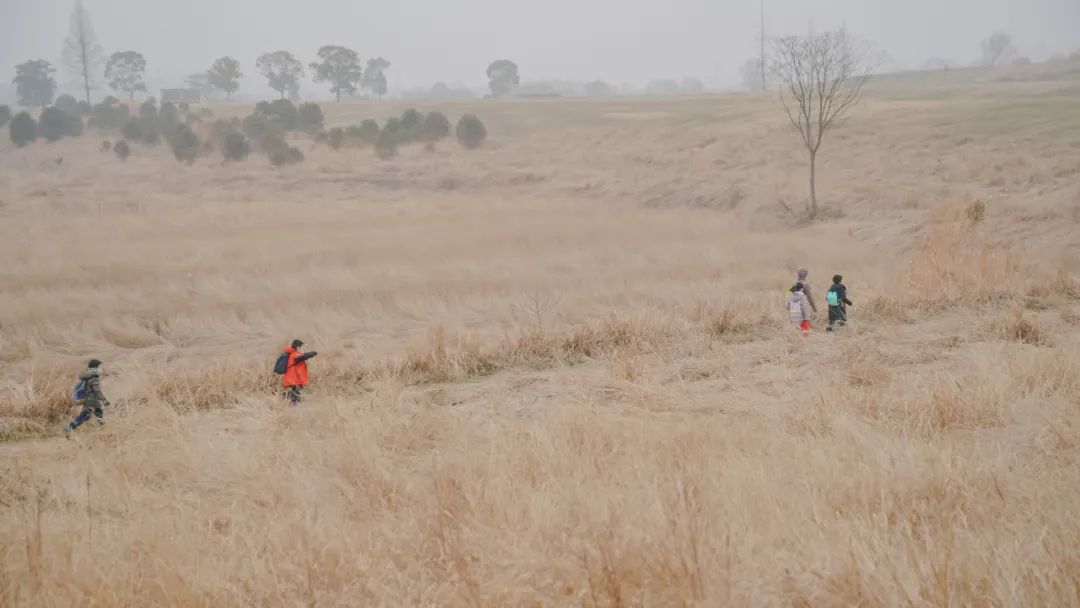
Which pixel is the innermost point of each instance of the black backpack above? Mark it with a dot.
(282, 364)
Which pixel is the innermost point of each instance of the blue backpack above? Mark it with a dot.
(282, 364)
(81, 389)
(833, 297)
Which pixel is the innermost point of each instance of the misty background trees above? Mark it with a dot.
(225, 76)
(281, 70)
(503, 77)
(348, 74)
(375, 76)
(34, 83)
(125, 72)
(340, 67)
(997, 49)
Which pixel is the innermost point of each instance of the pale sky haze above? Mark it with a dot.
(620, 41)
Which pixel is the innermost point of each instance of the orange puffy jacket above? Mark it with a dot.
(297, 374)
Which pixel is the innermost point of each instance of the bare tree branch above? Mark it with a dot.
(82, 54)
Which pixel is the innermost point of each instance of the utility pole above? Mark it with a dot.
(762, 58)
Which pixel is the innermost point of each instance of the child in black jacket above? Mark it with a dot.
(838, 303)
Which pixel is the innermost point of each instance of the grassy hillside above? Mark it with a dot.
(557, 370)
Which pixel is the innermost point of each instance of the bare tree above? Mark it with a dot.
(997, 49)
(82, 54)
(821, 78)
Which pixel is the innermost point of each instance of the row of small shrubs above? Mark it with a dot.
(412, 127)
(265, 129)
(287, 116)
(121, 149)
(72, 106)
(227, 136)
(358, 136)
(53, 125)
(64, 119)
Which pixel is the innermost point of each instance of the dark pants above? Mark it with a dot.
(87, 411)
(837, 315)
(293, 394)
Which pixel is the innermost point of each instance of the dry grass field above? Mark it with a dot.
(556, 371)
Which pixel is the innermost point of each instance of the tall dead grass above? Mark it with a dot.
(384, 501)
(650, 433)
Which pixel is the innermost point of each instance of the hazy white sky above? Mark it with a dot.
(621, 41)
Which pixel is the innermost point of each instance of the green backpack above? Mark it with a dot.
(833, 297)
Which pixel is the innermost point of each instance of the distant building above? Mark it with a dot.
(181, 96)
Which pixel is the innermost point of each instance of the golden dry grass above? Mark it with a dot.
(556, 371)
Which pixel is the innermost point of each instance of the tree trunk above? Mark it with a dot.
(283, 93)
(813, 184)
(339, 95)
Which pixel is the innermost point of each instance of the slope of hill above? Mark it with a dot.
(556, 371)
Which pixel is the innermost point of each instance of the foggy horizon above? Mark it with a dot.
(630, 42)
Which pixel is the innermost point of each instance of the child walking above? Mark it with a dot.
(799, 310)
(838, 303)
(88, 394)
(295, 374)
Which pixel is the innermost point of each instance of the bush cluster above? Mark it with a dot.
(132, 130)
(68, 104)
(262, 129)
(150, 123)
(23, 129)
(282, 113)
(219, 130)
(310, 119)
(367, 133)
(410, 128)
(109, 115)
(265, 128)
(335, 138)
(436, 126)
(184, 143)
(122, 150)
(286, 155)
(235, 146)
(168, 117)
(55, 124)
(471, 133)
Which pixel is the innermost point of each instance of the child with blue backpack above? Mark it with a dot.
(87, 393)
(838, 302)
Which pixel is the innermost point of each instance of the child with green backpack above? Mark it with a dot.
(838, 302)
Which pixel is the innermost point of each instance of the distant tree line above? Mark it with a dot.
(338, 67)
(270, 128)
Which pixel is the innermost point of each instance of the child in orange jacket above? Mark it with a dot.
(296, 374)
